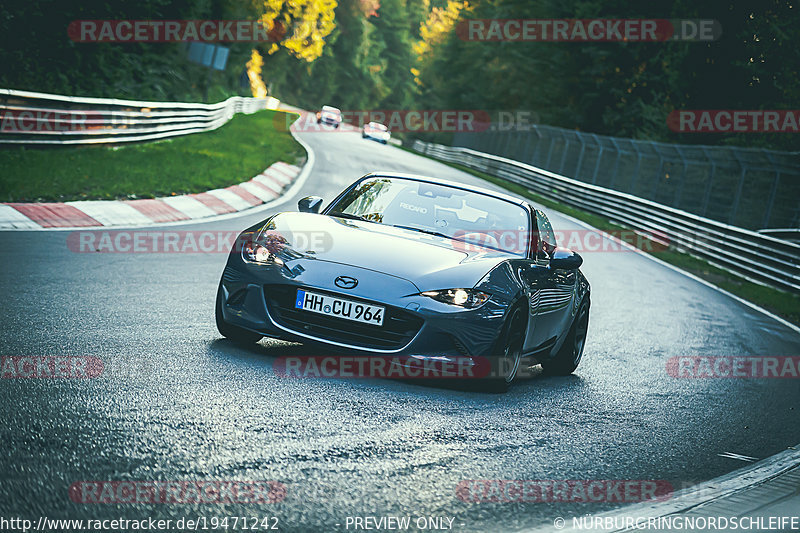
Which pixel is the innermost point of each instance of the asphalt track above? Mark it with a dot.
(177, 402)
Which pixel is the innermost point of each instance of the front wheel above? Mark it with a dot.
(510, 353)
(569, 356)
(229, 331)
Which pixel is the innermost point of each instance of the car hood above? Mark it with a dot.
(427, 261)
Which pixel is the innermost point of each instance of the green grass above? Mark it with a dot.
(781, 303)
(236, 152)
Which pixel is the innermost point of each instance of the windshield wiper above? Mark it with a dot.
(351, 216)
(422, 230)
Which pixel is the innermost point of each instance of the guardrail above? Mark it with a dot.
(39, 118)
(749, 188)
(749, 254)
(785, 234)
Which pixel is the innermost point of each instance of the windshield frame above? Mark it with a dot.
(532, 223)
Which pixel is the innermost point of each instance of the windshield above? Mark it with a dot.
(376, 126)
(469, 217)
(329, 109)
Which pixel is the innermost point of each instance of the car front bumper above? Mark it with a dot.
(329, 121)
(381, 137)
(254, 297)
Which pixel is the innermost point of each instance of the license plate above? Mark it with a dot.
(339, 307)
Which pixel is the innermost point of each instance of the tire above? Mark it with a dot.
(509, 349)
(229, 331)
(569, 356)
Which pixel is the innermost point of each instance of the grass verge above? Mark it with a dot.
(236, 152)
(781, 303)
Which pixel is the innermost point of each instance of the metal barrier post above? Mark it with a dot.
(737, 197)
(616, 162)
(676, 200)
(599, 158)
(564, 155)
(772, 192)
(710, 184)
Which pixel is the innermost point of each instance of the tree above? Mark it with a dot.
(396, 59)
(304, 24)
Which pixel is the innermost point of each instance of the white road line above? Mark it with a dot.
(189, 206)
(300, 180)
(731, 455)
(11, 218)
(111, 212)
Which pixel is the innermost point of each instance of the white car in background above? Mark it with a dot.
(329, 115)
(376, 131)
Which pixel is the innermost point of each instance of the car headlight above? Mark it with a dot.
(255, 253)
(468, 298)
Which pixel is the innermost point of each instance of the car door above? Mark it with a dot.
(533, 277)
(553, 289)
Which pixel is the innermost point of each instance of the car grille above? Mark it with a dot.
(399, 326)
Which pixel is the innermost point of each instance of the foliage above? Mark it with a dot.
(407, 54)
(438, 24)
(257, 86)
(307, 23)
(625, 89)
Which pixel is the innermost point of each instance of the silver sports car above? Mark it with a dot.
(414, 267)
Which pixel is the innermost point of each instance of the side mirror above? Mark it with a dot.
(310, 204)
(564, 259)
